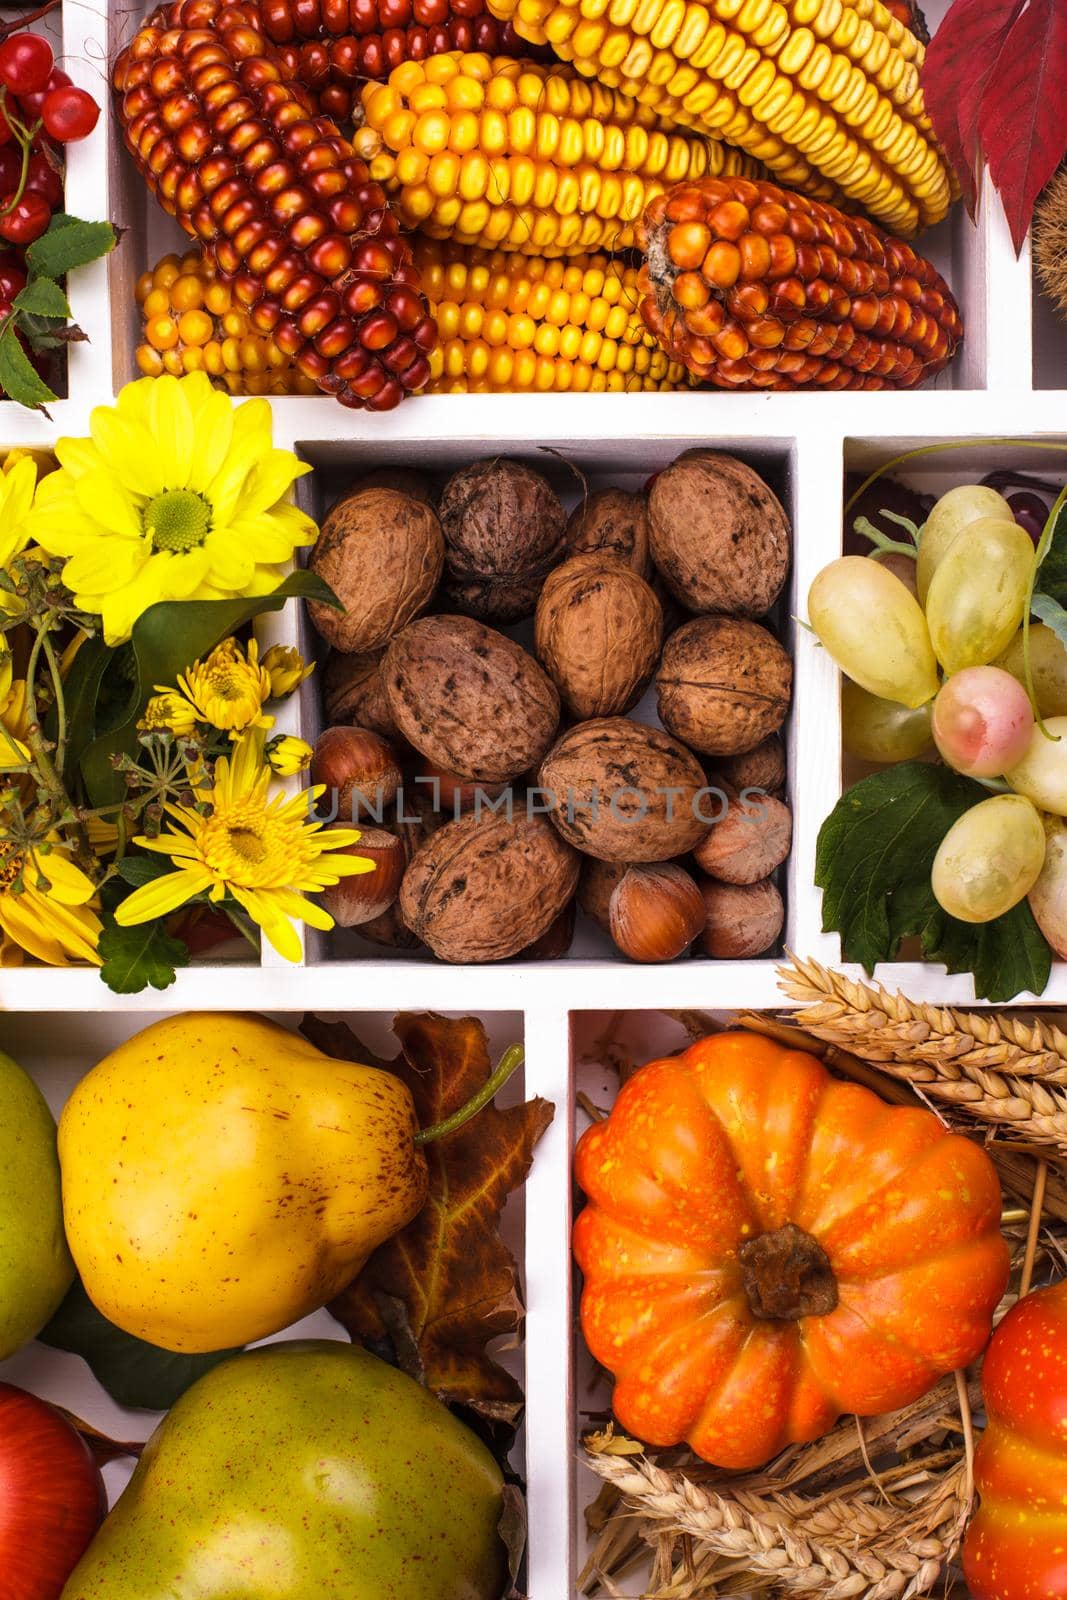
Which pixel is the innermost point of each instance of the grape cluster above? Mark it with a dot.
(930, 636)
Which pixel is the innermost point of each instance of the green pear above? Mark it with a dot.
(35, 1265)
(303, 1471)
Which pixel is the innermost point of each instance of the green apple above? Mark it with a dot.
(35, 1265)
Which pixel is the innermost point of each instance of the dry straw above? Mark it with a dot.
(874, 1510)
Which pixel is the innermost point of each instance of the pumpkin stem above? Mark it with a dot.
(787, 1275)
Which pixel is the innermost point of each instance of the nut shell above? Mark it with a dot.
(482, 889)
(624, 792)
(353, 693)
(611, 522)
(368, 895)
(503, 525)
(718, 535)
(382, 553)
(598, 631)
(656, 912)
(595, 886)
(723, 684)
(360, 770)
(743, 919)
(751, 841)
(471, 700)
(760, 768)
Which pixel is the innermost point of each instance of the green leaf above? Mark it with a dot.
(80, 691)
(135, 1374)
(1052, 574)
(43, 298)
(1051, 612)
(875, 852)
(139, 870)
(169, 637)
(69, 243)
(139, 957)
(18, 376)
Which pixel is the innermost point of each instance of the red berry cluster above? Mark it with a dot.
(39, 108)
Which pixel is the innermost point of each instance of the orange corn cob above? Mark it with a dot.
(516, 322)
(753, 287)
(191, 324)
(287, 210)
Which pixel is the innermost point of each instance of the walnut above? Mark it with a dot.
(353, 693)
(718, 535)
(760, 768)
(469, 699)
(484, 887)
(625, 792)
(599, 632)
(612, 522)
(595, 887)
(723, 684)
(503, 525)
(382, 553)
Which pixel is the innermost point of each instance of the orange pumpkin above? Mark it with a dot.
(765, 1248)
(1016, 1546)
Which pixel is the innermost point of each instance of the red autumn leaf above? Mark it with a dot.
(1023, 121)
(956, 75)
(447, 1284)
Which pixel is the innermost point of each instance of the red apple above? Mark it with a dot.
(52, 1497)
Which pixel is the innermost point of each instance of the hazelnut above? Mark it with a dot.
(743, 919)
(750, 842)
(360, 771)
(367, 895)
(596, 884)
(655, 912)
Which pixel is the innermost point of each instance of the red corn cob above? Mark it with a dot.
(228, 145)
(332, 45)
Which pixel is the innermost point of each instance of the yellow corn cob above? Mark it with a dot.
(192, 324)
(517, 322)
(512, 155)
(828, 84)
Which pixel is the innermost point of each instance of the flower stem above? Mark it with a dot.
(61, 708)
(511, 1059)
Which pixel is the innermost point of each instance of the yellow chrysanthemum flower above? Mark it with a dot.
(287, 755)
(14, 717)
(287, 669)
(264, 852)
(228, 688)
(177, 495)
(17, 487)
(168, 712)
(46, 907)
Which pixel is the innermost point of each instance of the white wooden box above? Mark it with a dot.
(1009, 381)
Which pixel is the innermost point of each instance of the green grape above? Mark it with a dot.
(1041, 775)
(882, 730)
(978, 594)
(989, 859)
(1048, 897)
(952, 513)
(1048, 667)
(874, 629)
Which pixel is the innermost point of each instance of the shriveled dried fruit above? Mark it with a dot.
(625, 792)
(718, 535)
(484, 888)
(723, 684)
(749, 843)
(382, 553)
(611, 522)
(470, 699)
(598, 630)
(503, 525)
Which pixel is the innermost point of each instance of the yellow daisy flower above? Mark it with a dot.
(287, 669)
(287, 755)
(228, 689)
(177, 495)
(46, 908)
(264, 852)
